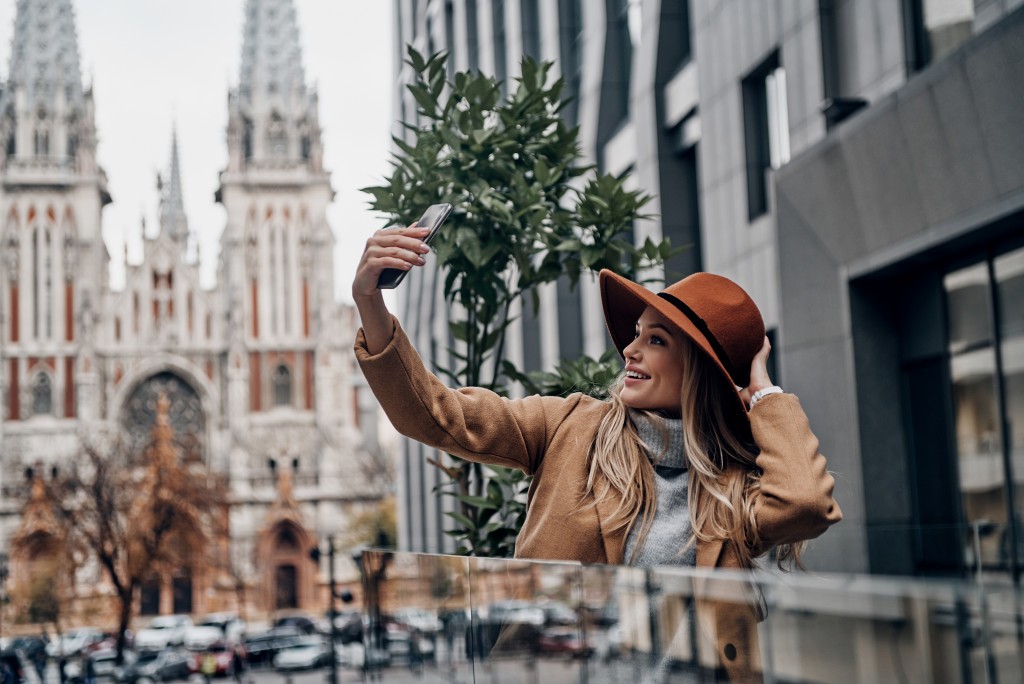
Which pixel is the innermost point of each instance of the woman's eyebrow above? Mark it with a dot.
(657, 325)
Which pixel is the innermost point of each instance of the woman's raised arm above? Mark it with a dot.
(396, 247)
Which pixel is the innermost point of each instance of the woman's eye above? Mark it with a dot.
(656, 340)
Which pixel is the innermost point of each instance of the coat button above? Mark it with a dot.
(730, 652)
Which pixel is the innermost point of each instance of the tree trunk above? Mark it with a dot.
(125, 617)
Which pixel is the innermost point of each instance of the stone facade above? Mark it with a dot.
(258, 369)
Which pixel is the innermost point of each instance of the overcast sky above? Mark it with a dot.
(157, 64)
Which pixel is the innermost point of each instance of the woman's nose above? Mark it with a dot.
(631, 350)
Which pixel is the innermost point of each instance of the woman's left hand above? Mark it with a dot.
(758, 373)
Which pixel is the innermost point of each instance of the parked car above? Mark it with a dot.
(28, 645)
(223, 655)
(348, 626)
(309, 653)
(261, 648)
(163, 631)
(419, 619)
(104, 662)
(72, 642)
(303, 623)
(215, 627)
(160, 666)
(10, 659)
(564, 641)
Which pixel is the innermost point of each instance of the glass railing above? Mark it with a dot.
(458, 619)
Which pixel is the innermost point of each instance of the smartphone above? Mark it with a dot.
(433, 217)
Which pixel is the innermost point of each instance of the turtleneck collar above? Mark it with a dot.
(652, 430)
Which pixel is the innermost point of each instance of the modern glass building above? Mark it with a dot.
(858, 167)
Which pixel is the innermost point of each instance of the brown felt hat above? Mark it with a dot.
(714, 312)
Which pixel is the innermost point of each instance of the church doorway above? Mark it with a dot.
(286, 594)
(291, 574)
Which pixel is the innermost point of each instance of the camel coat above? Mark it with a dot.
(549, 438)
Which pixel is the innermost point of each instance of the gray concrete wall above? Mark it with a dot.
(925, 168)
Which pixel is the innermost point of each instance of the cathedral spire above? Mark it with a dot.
(44, 56)
(45, 112)
(172, 206)
(272, 114)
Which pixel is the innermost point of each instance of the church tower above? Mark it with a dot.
(277, 249)
(290, 411)
(50, 213)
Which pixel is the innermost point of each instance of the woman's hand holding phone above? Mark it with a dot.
(398, 248)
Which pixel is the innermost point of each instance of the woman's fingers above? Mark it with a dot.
(759, 378)
(397, 247)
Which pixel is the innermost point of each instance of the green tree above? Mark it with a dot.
(528, 212)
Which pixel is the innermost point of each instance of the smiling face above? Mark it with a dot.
(654, 365)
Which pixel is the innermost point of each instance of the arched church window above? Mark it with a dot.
(12, 146)
(282, 386)
(277, 141)
(47, 286)
(247, 138)
(42, 395)
(42, 142)
(35, 283)
(188, 421)
(286, 280)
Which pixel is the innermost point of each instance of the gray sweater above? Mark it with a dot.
(670, 529)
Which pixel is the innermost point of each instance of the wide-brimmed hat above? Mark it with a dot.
(712, 311)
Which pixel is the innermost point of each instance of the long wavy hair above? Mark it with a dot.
(724, 477)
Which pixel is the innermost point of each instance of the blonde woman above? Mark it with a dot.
(697, 459)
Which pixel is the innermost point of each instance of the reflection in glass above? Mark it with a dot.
(948, 24)
(979, 447)
(1009, 275)
(463, 620)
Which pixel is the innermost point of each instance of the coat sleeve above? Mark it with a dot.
(473, 423)
(795, 502)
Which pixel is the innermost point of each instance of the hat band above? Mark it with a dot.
(703, 328)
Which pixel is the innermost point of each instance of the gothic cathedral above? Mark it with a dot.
(257, 372)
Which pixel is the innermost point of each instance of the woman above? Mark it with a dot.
(697, 459)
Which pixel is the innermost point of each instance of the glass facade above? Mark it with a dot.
(501, 620)
(986, 358)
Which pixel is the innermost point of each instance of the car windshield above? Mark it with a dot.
(146, 656)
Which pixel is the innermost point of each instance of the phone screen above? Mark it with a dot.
(433, 217)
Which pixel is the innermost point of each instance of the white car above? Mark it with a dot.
(215, 627)
(163, 631)
(309, 653)
(73, 641)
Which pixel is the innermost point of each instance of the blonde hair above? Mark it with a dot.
(724, 477)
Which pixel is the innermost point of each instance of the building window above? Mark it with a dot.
(277, 137)
(498, 29)
(766, 129)
(986, 360)
(42, 395)
(282, 386)
(674, 45)
(42, 142)
(934, 28)
(449, 37)
(530, 16)
(570, 52)
(472, 36)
